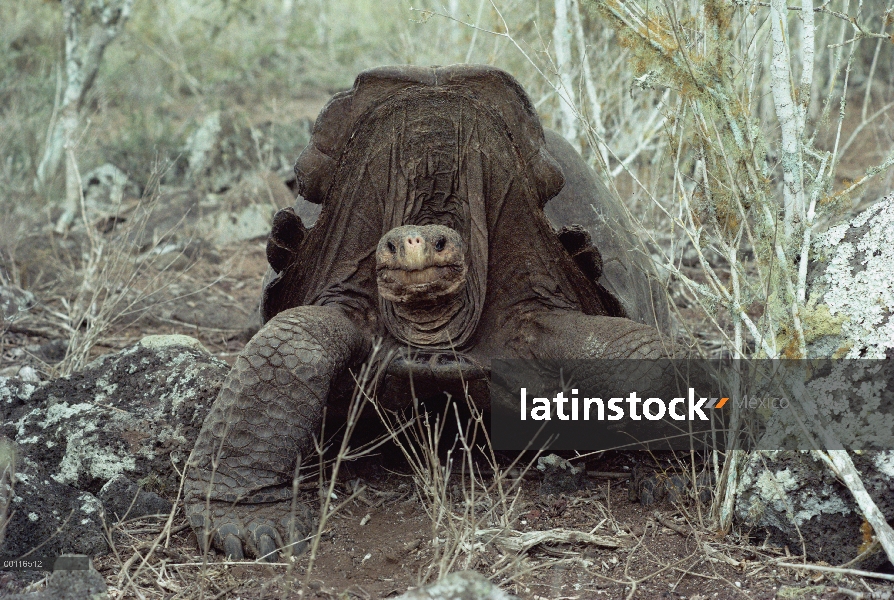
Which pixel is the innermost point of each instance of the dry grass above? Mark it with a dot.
(115, 282)
(465, 503)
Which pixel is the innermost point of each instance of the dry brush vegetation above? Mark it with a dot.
(735, 132)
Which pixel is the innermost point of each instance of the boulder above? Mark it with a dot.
(57, 517)
(245, 211)
(851, 287)
(178, 216)
(76, 584)
(123, 499)
(464, 585)
(794, 498)
(226, 145)
(105, 187)
(560, 476)
(13, 302)
(792, 494)
(119, 426)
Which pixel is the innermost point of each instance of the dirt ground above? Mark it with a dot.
(392, 551)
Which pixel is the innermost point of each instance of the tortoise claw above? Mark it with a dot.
(198, 523)
(267, 549)
(299, 547)
(232, 545)
(265, 540)
(233, 548)
(256, 530)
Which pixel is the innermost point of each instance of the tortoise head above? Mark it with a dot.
(421, 266)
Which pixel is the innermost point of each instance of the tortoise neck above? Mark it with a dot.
(432, 324)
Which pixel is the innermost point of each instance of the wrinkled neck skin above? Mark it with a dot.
(429, 321)
(421, 272)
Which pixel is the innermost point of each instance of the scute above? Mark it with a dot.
(492, 87)
(456, 147)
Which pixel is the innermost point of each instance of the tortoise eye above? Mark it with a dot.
(392, 247)
(439, 245)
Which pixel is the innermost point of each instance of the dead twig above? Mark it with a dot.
(518, 542)
(839, 570)
(671, 525)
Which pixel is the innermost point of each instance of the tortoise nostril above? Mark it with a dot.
(392, 247)
(439, 245)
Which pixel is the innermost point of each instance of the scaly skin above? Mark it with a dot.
(570, 335)
(624, 344)
(239, 484)
(238, 488)
(574, 335)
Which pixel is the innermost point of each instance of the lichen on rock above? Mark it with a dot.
(791, 494)
(125, 417)
(854, 279)
(463, 585)
(801, 504)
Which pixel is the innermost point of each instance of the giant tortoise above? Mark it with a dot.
(433, 245)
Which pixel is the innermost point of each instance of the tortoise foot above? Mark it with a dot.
(262, 531)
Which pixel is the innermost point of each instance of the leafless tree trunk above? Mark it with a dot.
(595, 116)
(567, 100)
(103, 20)
(791, 119)
(731, 149)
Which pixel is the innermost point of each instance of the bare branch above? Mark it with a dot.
(787, 113)
(104, 20)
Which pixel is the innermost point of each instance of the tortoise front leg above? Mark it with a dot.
(574, 335)
(238, 487)
(602, 352)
